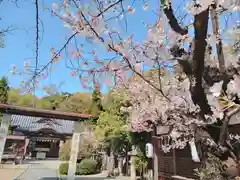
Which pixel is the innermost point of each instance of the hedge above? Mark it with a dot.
(85, 167)
(63, 168)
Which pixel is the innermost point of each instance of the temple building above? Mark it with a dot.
(43, 135)
(37, 133)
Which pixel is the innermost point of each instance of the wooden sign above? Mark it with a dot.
(74, 150)
(6, 119)
(162, 130)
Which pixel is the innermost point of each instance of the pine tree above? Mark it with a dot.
(96, 105)
(4, 88)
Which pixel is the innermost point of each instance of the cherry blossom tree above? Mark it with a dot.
(192, 58)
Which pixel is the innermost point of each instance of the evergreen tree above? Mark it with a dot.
(4, 88)
(96, 105)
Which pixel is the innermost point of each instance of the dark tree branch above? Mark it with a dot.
(109, 7)
(54, 57)
(199, 48)
(173, 21)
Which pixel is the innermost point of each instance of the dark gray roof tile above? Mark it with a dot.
(31, 124)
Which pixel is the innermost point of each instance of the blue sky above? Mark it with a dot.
(20, 44)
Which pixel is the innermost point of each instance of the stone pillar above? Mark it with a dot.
(132, 167)
(6, 119)
(120, 165)
(74, 150)
(104, 161)
(25, 146)
(61, 143)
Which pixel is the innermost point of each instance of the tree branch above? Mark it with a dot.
(199, 47)
(173, 21)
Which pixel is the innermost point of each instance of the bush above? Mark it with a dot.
(64, 156)
(87, 166)
(64, 151)
(63, 169)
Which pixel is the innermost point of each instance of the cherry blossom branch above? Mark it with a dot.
(118, 52)
(109, 7)
(7, 30)
(159, 80)
(56, 55)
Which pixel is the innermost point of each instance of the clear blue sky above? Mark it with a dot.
(20, 44)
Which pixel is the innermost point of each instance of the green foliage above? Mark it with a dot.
(63, 169)
(87, 148)
(13, 96)
(140, 161)
(87, 166)
(140, 139)
(211, 169)
(96, 105)
(4, 88)
(111, 127)
(64, 156)
(26, 100)
(77, 102)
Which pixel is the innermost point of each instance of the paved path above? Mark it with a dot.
(9, 171)
(48, 170)
(39, 169)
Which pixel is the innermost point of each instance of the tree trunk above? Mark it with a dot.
(127, 164)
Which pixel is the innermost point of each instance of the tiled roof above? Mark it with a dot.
(27, 111)
(32, 124)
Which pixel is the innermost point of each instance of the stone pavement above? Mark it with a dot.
(10, 172)
(40, 169)
(44, 170)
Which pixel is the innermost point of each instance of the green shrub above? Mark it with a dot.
(63, 169)
(64, 156)
(86, 167)
(64, 151)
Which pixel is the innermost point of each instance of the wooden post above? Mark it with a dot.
(6, 119)
(155, 156)
(74, 150)
(174, 162)
(155, 160)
